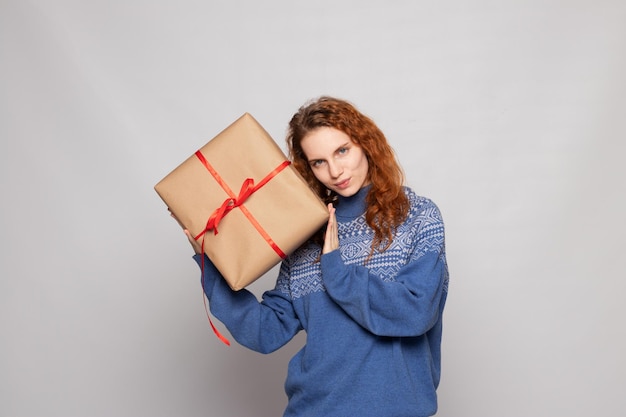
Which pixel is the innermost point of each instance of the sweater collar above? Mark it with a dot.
(353, 206)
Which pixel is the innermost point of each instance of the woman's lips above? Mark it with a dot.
(343, 184)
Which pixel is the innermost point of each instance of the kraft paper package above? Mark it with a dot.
(241, 187)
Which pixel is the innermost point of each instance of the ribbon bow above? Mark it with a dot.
(247, 189)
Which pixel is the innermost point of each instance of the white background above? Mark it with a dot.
(510, 115)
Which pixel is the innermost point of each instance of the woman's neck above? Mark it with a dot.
(353, 206)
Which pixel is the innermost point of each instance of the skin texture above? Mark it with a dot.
(336, 161)
(340, 165)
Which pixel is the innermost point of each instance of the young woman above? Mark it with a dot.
(369, 290)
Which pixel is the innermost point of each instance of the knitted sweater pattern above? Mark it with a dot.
(373, 327)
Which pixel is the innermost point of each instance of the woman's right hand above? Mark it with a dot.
(193, 242)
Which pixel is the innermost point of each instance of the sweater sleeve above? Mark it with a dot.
(261, 326)
(409, 305)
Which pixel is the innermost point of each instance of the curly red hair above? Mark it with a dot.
(387, 204)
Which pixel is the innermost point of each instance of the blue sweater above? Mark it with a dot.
(373, 329)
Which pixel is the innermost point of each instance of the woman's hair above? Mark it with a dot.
(387, 204)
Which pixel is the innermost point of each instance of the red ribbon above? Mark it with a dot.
(230, 203)
(247, 189)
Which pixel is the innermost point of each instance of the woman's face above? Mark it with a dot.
(336, 161)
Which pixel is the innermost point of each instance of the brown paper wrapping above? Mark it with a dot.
(285, 208)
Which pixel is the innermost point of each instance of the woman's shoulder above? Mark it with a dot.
(418, 201)
(421, 206)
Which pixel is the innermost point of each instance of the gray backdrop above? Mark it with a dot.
(510, 115)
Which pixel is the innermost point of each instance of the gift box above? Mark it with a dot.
(242, 199)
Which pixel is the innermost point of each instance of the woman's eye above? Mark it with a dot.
(342, 151)
(316, 163)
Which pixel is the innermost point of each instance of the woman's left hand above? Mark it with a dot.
(331, 238)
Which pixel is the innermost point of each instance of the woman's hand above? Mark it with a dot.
(331, 238)
(194, 243)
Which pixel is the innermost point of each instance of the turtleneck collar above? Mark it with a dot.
(353, 206)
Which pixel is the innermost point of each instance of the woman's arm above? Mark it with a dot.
(261, 326)
(408, 306)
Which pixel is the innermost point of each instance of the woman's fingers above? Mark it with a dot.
(331, 239)
(194, 243)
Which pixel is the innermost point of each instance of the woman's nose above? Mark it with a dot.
(335, 170)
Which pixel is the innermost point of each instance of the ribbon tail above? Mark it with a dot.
(206, 307)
